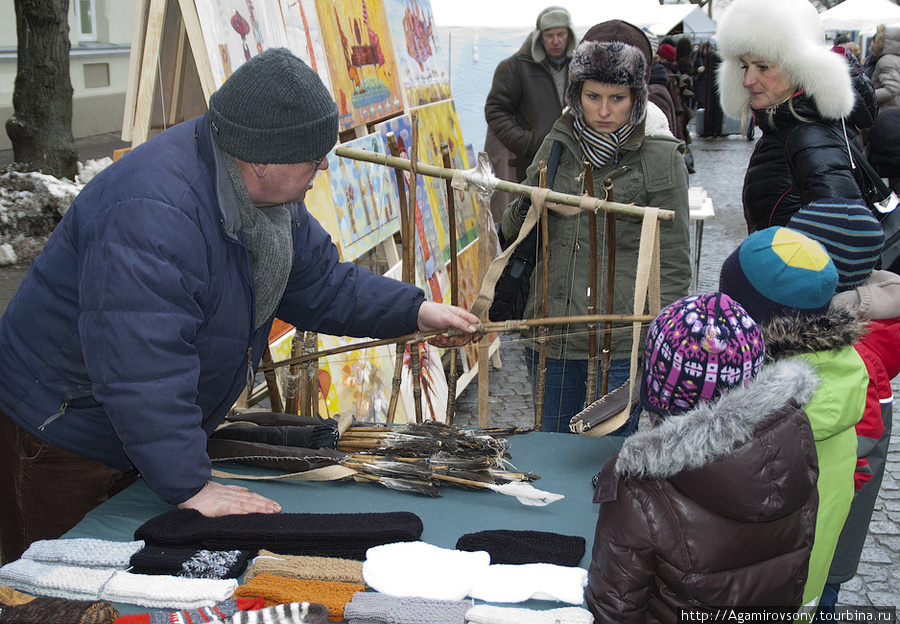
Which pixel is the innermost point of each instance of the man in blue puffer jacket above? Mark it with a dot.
(149, 308)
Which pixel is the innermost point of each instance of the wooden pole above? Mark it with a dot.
(543, 330)
(482, 328)
(414, 360)
(454, 284)
(610, 289)
(272, 383)
(405, 273)
(593, 355)
(499, 185)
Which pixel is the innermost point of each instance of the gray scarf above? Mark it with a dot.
(267, 234)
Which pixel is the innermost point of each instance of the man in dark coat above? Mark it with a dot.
(527, 94)
(148, 311)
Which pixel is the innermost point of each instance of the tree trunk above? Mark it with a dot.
(41, 126)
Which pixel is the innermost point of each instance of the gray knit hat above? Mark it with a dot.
(274, 109)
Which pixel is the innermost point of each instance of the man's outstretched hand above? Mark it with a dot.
(438, 316)
(216, 499)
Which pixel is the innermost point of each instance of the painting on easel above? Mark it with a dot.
(361, 60)
(365, 199)
(439, 123)
(237, 30)
(431, 276)
(423, 66)
(304, 35)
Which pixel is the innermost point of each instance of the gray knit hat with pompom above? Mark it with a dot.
(274, 109)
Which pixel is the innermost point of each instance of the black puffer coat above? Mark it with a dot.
(715, 507)
(794, 163)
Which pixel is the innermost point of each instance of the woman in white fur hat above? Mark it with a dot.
(777, 67)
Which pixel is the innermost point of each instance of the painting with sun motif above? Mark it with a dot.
(361, 60)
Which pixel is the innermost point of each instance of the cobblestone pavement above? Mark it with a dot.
(720, 165)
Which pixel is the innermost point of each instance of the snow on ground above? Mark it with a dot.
(31, 204)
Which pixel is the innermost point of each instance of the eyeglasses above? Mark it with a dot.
(318, 161)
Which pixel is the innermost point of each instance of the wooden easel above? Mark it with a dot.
(170, 78)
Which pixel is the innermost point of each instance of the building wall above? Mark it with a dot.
(98, 70)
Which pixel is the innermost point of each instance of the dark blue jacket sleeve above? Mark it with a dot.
(341, 298)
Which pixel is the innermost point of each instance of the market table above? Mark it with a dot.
(565, 462)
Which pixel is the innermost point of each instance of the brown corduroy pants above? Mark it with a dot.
(45, 490)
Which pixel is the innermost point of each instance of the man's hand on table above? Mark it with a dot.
(216, 499)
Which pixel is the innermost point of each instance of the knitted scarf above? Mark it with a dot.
(267, 233)
(599, 148)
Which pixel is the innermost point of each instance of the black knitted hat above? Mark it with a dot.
(518, 547)
(342, 535)
(274, 109)
(190, 563)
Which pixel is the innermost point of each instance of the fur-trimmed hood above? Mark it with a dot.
(789, 34)
(712, 431)
(789, 336)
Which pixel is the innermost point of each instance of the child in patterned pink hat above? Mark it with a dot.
(714, 503)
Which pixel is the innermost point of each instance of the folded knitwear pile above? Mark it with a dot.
(310, 568)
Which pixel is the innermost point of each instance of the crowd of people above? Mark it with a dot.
(750, 464)
(787, 357)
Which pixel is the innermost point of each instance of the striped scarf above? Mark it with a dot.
(600, 148)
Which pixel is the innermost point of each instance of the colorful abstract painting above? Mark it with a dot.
(320, 204)
(423, 66)
(365, 199)
(361, 60)
(237, 30)
(432, 227)
(304, 36)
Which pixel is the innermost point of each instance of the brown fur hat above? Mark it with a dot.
(609, 62)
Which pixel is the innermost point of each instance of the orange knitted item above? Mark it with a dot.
(10, 597)
(277, 590)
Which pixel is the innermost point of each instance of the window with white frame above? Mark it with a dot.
(86, 19)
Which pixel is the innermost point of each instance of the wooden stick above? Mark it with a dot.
(481, 328)
(311, 383)
(610, 289)
(593, 355)
(543, 330)
(272, 383)
(405, 272)
(454, 284)
(499, 185)
(415, 364)
(293, 389)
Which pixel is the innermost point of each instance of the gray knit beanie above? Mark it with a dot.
(274, 109)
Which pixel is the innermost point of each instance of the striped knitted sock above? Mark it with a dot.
(217, 613)
(293, 613)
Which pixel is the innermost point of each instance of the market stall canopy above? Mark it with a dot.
(861, 15)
